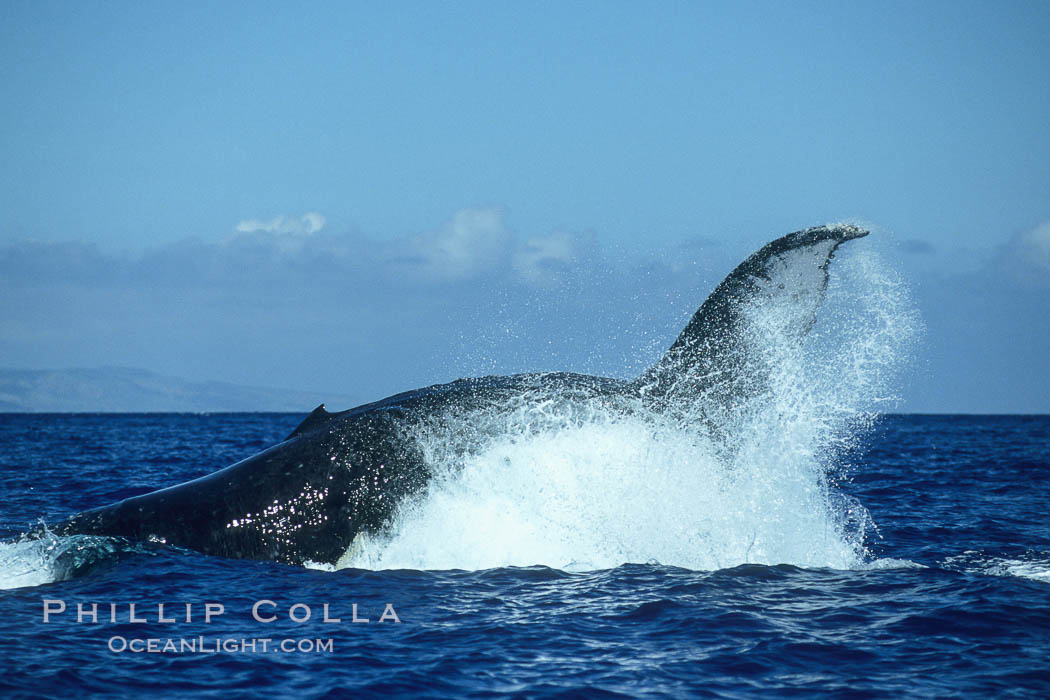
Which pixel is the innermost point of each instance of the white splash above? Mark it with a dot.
(589, 485)
(26, 563)
(50, 558)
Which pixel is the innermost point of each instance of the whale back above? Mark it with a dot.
(335, 476)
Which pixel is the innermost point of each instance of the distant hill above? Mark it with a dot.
(125, 390)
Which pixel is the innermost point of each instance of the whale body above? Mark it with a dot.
(341, 475)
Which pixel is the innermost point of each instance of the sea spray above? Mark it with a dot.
(594, 483)
(50, 558)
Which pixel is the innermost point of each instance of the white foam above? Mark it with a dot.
(1037, 571)
(890, 563)
(51, 558)
(34, 562)
(26, 563)
(1033, 565)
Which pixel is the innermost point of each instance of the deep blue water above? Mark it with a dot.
(956, 600)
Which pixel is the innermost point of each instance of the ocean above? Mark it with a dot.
(931, 579)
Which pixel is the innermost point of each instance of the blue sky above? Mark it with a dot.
(225, 191)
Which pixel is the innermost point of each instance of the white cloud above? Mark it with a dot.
(474, 241)
(534, 261)
(1035, 246)
(308, 223)
(1026, 257)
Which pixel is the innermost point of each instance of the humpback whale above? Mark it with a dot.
(340, 475)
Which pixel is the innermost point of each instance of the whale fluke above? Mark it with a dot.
(711, 356)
